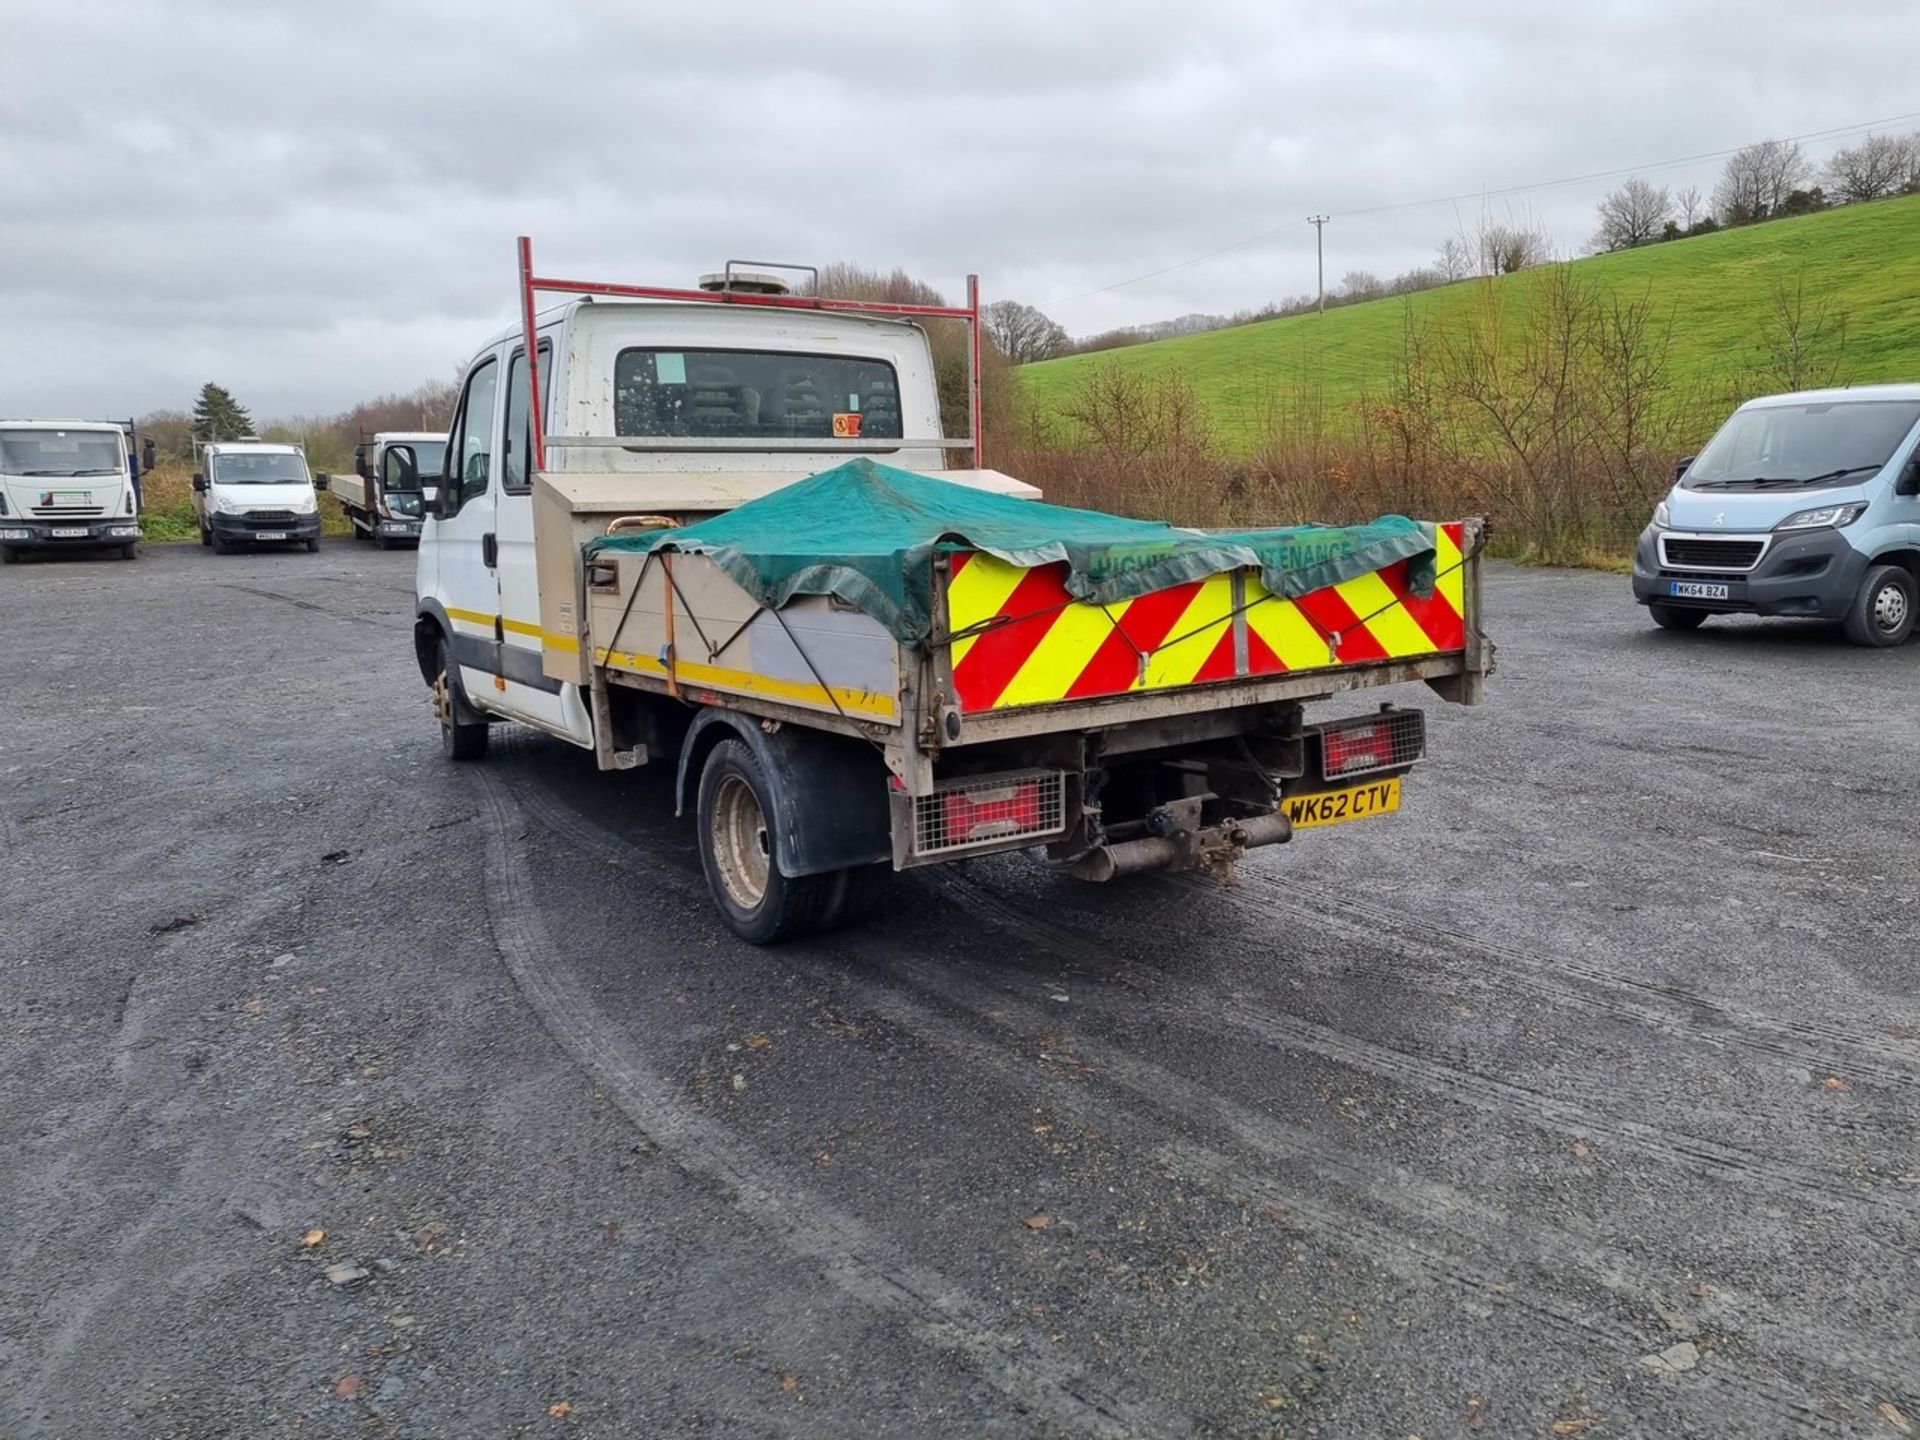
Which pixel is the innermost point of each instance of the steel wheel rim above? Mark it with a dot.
(1890, 607)
(742, 849)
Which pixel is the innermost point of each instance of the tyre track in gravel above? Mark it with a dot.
(858, 1262)
(1436, 1235)
(1489, 1095)
(1819, 1047)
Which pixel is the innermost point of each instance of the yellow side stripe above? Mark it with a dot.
(857, 702)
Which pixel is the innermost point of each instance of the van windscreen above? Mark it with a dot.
(750, 394)
(1828, 442)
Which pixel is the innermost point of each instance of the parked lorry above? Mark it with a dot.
(377, 505)
(660, 533)
(253, 492)
(1802, 504)
(70, 485)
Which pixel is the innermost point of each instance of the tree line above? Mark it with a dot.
(1768, 181)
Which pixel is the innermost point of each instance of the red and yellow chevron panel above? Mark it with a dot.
(1026, 641)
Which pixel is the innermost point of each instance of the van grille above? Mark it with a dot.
(68, 512)
(1680, 554)
(276, 517)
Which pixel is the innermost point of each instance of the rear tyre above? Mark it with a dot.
(1883, 611)
(460, 738)
(1672, 617)
(759, 901)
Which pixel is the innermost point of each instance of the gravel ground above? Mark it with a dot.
(348, 1092)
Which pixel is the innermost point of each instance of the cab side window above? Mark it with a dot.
(516, 476)
(471, 454)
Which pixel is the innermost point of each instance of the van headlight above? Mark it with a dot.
(1662, 517)
(1824, 516)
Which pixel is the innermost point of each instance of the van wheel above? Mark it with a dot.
(1883, 611)
(130, 552)
(760, 902)
(206, 535)
(1673, 617)
(223, 546)
(313, 546)
(460, 739)
(9, 555)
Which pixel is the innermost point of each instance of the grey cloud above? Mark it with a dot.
(312, 203)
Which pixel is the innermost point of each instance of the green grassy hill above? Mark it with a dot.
(1862, 263)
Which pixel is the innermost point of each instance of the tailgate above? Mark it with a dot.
(1020, 639)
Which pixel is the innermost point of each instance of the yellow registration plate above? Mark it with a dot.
(1356, 802)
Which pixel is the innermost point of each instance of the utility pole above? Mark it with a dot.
(1319, 223)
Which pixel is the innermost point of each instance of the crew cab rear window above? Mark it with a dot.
(748, 394)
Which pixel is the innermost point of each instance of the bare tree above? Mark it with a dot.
(1633, 215)
(1507, 248)
(1022, 332)
(1872, 170)
(1808, 340)
(1454, 261)
(1690, 201)
(1361, 285)
(1758, 180)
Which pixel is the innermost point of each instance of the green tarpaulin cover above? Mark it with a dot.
(867, 533)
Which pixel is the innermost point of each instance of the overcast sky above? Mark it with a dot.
(313, 204)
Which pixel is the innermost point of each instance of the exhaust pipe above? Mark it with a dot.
(1222, 843)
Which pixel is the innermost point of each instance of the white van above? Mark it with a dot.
(250, 492)
(67, 485)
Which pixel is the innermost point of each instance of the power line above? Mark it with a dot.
(1828, 134)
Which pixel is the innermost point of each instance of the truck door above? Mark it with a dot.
(466, 543)
(529, 693)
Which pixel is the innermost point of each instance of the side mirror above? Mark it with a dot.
(146, 456)
(320, 480)
(1680, 466)
(200, 484)
(1909, 481)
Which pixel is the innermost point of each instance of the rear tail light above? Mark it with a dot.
(989, 810)
(1389, 740)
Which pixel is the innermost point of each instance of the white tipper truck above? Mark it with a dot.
(717, 529)
(70, 485)
(377, 504)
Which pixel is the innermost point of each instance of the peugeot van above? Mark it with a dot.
(1804, 504)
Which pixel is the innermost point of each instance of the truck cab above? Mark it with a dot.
(665, 409)
(68, 485)
(1804, 504)
(252, 492)
(380, 499)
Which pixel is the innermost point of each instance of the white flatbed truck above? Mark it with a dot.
(833, 714)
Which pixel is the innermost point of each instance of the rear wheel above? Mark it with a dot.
(1673, 617)
(760, 902)
(1884, 609)
(460, 738)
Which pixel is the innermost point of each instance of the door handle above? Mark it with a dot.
(490, 550)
